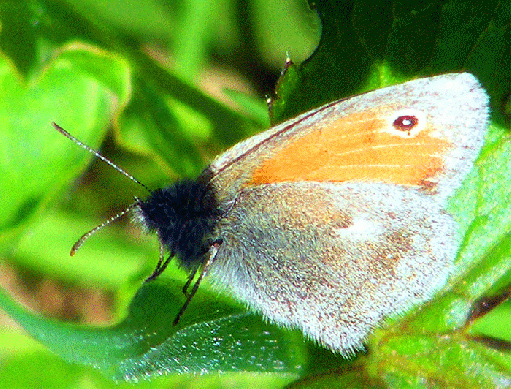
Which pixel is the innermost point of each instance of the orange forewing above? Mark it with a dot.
(357, 147)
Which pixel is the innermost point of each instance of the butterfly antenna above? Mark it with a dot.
(103, 158)
(88, 234)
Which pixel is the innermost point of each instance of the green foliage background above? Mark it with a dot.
(130, 77)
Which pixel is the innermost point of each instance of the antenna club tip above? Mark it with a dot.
(75, 247)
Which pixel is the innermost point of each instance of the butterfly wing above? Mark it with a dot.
(424, 133)
(334, 259)
(335, 220)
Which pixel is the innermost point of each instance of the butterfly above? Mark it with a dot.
(334, 220)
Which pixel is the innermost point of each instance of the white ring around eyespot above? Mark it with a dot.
(421, 117)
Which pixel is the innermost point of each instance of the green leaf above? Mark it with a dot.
(25, 363)
(210, 337)
(368, 45)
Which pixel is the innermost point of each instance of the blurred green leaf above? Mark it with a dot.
(18, 36)
(81, 99)
(284, 28)
(108, 262)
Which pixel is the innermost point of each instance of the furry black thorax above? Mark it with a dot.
(183, 215)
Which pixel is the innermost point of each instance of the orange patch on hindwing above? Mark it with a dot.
(358, 147)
